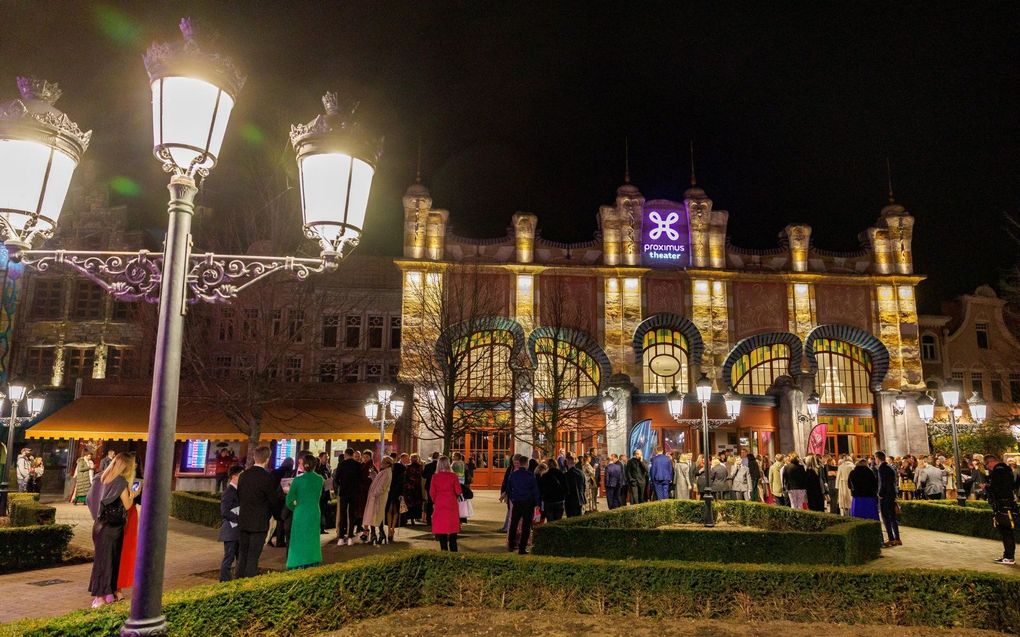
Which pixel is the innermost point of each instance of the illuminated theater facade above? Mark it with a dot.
(657, 299)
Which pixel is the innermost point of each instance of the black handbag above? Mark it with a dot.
(113, 514)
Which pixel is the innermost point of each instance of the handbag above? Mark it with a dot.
(403, 504)
(537, 517)
(113, 514)
(465, 509)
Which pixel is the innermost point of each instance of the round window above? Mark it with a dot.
(664, 365)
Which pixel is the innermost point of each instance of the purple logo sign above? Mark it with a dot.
(666, 239)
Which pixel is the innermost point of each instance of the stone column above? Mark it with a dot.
(523, 433)
(888, 423)
(617, 429)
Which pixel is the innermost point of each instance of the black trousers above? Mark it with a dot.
(637, 493)
(345, 516)
(553, 511)
(892, 525)
(614, 497)
(521, 513)
(229, 557)
(221, 482)
(248, 552)
(447, 542)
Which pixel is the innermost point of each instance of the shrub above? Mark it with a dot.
(29, 547)
(974, 520)
(200, 509)
(782, 535)
(28, 512)
(14, 497)
(328, 597)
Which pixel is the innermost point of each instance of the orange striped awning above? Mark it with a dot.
(127, 417)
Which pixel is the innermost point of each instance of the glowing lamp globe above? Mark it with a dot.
(732, 406)
(17, 392)
(336, 163)
(901, 403)
(39, 150)
(978, 408)
(812, 404)
(926, 408)
(704, 389)
(397, 407)
(372, 409)
(951, 394)
(675, 401)
(193, 93)
(35, 404)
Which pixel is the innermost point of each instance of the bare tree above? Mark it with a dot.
(566, 376)
(455, 354)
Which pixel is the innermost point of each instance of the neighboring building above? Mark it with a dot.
(658, 297)
(972, 344)
(290, 338)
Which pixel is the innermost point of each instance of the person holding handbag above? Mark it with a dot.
(108, 501)
(444, 489)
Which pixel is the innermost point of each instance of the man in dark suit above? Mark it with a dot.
(426, 474)
(887, 499)
(575, 500)
(259, 498)
(229, 534)
(347, 484)
(637, 478)
(615, 482)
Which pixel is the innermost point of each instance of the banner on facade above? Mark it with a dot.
(816, 439)
(643, 438)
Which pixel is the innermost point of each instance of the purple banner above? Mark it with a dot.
(665, 236)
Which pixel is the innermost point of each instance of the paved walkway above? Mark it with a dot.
(193, 557)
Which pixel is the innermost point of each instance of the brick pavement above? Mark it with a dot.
(193, 556)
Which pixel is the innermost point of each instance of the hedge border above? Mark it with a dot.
(786, 536)
(202, 507)
(31, 547)
(974, 520)
(328, 597)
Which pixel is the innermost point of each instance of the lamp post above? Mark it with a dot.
(675, 401)
(926, 411)
(899, 408)
(375, 411)
(193, 93)
(1014, 429)
(35, 404)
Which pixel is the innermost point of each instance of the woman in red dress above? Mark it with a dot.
(126, 570)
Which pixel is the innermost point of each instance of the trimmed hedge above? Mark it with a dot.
(332, 596)
(784, 535)
(15, 497)
(31, 547)
(204, 508)
(974, 520)
(200, 509)
(27, 512)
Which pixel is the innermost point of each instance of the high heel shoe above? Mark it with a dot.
(97, 602)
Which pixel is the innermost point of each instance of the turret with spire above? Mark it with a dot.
(621, 223)
(891, 237)
(708, 226)
(424, 228)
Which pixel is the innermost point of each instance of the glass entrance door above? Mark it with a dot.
(492, 452)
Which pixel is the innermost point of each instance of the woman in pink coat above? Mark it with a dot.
(443, 490)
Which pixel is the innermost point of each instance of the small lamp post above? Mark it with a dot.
(376, 409)
(951, 398)
(16, 393)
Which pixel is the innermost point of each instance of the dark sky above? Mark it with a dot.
(525, 106)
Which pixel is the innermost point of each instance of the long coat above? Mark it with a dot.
(443, 491)
(842, 488)
(375, 501)
(591, 488)
(682, 478)
(303, 499)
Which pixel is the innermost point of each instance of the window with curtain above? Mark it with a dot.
(844, 373)
(665, 357)
(754, 372)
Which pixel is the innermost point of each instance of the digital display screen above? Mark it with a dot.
(196, 452)
(284, 449)
(665, 237)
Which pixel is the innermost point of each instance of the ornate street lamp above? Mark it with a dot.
(977, 407)
(703, 392)
(35, 404)
(950, 398)
(39, 150)
(376, 408)
(193, 93)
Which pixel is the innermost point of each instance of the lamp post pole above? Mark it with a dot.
(146, 604)
(708, 497)
(961, 497)
(376, 409)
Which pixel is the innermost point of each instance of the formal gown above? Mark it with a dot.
(304, 548)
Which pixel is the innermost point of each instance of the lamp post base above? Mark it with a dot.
(961, 500)
(3, 500)
(709, 512)
(144, 627)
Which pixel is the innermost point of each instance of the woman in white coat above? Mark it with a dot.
(375, 504)
(682, 476)
(842, 486)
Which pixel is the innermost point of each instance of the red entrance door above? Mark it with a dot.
(492, 452)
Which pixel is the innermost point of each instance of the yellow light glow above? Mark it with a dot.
(631, 285)
(800, 289)
(413, 278)
(701, 287)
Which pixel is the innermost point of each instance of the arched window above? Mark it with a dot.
(564, 371)
(844, 372)
(929, 348)
(483, 365)
(664, 354)
(755, 371)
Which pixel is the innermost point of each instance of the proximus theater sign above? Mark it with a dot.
(665, 237)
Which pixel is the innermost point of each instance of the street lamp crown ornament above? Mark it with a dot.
(336, 163)
(39, 150)
(193, 93)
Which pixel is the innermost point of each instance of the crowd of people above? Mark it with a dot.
(112, 497)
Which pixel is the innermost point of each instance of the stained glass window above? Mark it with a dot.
(844, 373)
(755, 371)
(665, 357)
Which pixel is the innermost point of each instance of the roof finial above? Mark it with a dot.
(888, 173)
(417, 172)
(626, 160)
(694, 181)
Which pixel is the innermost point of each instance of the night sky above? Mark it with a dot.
(525, 106)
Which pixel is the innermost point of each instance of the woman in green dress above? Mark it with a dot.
(304, 549)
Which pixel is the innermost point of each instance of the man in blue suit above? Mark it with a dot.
(661, 474)
(615, 482)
